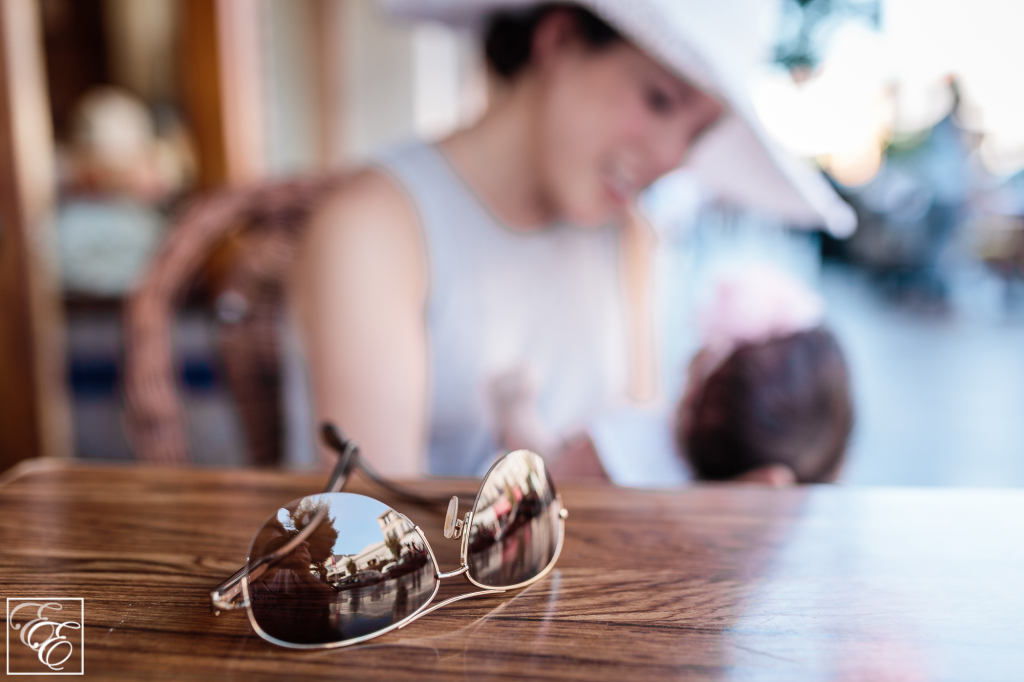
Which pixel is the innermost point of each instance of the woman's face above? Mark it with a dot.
(611, 120)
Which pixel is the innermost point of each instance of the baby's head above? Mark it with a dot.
(769, 391)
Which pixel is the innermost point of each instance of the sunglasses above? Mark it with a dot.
(336, 569)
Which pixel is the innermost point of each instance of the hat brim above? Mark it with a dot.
(736, 160)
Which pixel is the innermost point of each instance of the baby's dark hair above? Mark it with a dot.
(785, 401)
(508, 39)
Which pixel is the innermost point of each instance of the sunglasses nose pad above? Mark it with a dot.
(452, 523)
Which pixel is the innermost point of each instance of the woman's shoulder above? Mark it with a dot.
(365, 225)
(367, 211)
(366, 196)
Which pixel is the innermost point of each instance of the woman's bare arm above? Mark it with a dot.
(360, 288)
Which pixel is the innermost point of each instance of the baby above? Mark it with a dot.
(768, 395)
(767, 400)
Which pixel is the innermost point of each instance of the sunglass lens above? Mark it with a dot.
(362, 570)
(514, 534)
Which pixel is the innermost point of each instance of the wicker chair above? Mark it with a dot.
(248, 236)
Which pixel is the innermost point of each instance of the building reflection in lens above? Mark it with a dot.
(364, 568)
(514, 533)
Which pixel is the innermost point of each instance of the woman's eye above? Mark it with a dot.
(658, 101)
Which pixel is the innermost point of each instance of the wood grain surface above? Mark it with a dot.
(730, 583)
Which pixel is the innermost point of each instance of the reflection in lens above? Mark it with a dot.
(364, 568)
(514, 533)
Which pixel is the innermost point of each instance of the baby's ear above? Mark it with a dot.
(774, 475)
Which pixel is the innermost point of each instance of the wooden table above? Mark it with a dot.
(719, 582)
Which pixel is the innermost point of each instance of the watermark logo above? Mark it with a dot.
(46, 635)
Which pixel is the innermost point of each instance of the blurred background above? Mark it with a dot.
(115, 114)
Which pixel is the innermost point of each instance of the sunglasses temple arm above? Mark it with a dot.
(399, 491)
(348, 459)
(228, 595)
(348, 456)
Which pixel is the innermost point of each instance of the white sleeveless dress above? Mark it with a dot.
(548, 301)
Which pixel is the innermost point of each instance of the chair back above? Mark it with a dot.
(248, 237)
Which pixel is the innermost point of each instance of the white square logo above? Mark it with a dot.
(45, 636)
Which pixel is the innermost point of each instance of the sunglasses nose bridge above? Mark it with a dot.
(451, 574)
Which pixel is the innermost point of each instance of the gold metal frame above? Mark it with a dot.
(233, 594)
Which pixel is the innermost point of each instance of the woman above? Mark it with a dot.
(510, 251)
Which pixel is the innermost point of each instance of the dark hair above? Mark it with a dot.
(508, 39)
(786, 401)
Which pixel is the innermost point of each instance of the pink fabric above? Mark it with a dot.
(755, 305)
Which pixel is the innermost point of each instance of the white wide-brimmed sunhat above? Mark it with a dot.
(712, 44)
